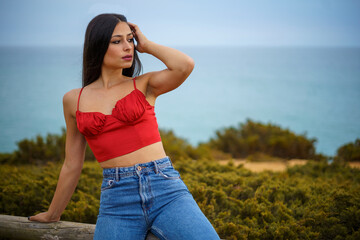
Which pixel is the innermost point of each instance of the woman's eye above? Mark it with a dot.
(118, 41)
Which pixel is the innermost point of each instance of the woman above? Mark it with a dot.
(114, 113)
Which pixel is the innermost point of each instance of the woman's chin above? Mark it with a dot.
(127, 65)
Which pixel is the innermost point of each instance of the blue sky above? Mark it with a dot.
(188, 22)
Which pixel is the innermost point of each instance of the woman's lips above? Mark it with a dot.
(127, 58)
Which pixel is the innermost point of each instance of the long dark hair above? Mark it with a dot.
(97, 38)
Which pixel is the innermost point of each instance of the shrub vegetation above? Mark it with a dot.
(40, 150)
(349, 152)
(254, 137)
(314, 201)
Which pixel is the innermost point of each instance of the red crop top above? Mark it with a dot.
(131, 126)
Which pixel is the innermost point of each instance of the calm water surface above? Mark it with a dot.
(308, 90)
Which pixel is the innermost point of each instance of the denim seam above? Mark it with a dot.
(158, 231)
(151, 196)
(142, 202)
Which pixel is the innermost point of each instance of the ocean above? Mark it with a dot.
(310, 90)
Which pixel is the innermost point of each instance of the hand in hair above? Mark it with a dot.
(140, 38)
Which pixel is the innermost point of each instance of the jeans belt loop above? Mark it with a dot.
(156, 167)
(117, 174)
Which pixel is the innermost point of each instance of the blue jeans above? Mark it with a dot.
(149, 197)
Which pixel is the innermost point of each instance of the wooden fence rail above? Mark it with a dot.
(20, 228)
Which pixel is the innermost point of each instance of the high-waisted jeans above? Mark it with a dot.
(149, 197)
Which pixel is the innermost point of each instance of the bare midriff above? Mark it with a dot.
(146, 154)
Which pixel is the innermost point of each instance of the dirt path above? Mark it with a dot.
(354, 164)
(262, 166)
(274, 166)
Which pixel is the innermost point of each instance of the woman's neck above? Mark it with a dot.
(111, 77)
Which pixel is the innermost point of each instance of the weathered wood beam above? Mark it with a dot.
(20, 228)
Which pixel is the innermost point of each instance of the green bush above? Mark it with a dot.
(38, 150)
(27, 190)
(254, 137)
(313, 201)
(41, 150)
(348, 152)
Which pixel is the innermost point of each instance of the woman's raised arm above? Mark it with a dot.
(73, 163)
(179, 65)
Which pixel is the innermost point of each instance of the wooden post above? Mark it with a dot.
(20, 228)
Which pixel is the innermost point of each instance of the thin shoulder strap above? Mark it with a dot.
(134, 83)
(79, 98)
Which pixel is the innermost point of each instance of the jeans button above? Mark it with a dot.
(139, 168)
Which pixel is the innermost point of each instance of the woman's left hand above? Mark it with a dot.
(140, 37)
(44, 217)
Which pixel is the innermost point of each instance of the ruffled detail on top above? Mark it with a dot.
(130, 108)
(92, 123)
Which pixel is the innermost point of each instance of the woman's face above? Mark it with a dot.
(121, 45)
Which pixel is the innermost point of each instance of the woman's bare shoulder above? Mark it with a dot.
(71, 95)
(70, 100)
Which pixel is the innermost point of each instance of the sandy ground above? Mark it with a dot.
(354, 164)
(274, 166)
